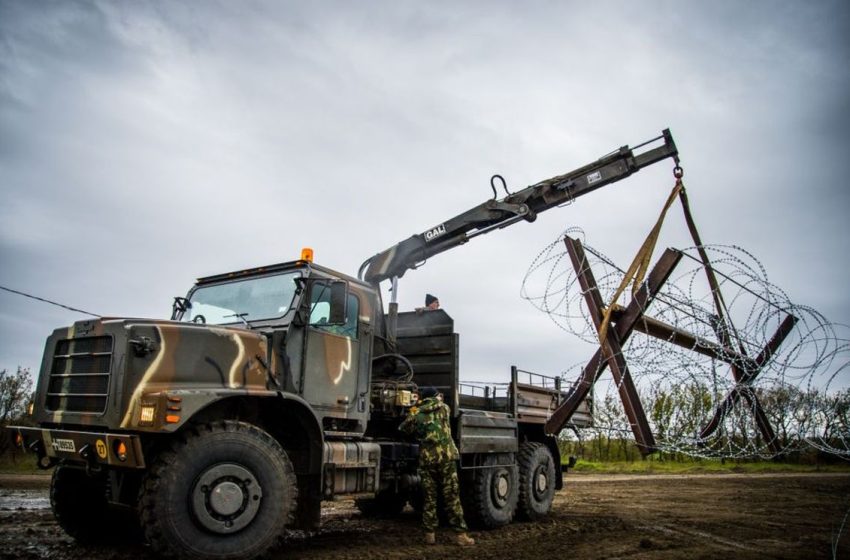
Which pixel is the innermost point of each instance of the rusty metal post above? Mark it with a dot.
(751, 369)
(611, 351)
(624, 326)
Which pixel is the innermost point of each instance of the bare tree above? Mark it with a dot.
(15, 396)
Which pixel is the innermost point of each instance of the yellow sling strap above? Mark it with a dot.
(637, 270)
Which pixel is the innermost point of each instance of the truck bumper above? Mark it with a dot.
(89, 448)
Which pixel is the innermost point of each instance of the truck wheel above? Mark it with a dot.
(80, 506)
(384, 504)
(536, 481)
(226, 491)
(491, 493)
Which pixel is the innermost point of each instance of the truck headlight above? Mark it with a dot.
(148, 414)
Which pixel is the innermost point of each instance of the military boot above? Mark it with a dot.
(430, 538)
(464, 540)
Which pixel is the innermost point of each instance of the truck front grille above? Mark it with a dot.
(79, 375)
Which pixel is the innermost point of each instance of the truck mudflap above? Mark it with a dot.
(91, 448)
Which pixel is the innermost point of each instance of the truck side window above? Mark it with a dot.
(320, 305)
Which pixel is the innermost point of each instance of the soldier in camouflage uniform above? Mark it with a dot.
(429, 424)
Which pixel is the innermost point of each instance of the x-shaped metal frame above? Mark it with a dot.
(610, 353)
(625, 321)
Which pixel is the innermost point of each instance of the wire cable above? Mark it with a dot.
(69, 308)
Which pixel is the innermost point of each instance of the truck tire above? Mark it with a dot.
(80, 505)
(491, 493)
(383, 505)
(536, 481)
(224, 491)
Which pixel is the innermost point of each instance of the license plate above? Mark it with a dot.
(66, 445)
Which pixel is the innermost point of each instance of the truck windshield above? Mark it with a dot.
(251, 299)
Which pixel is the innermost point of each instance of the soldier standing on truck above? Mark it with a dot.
(432, 303)
(429, 424)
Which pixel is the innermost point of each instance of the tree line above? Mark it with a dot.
(810, 425)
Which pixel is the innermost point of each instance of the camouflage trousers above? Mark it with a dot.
(442, 478)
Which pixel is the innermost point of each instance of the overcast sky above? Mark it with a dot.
(144, 144)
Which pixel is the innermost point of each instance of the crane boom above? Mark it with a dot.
(515, 207)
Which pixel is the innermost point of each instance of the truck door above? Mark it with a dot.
(331, 374)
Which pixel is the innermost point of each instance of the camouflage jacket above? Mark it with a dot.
(429, 424)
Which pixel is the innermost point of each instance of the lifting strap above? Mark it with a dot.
(637, 270)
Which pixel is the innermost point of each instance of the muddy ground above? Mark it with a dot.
(646, 516)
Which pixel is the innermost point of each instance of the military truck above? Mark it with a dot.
(273, 389)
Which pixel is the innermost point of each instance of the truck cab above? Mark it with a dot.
(318, 325)
(279, 354)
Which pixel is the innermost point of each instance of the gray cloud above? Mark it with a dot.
(145, 144)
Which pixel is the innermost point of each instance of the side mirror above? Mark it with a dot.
(179, 307)
(339, 299)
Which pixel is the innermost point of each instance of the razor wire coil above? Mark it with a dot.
(799, 387)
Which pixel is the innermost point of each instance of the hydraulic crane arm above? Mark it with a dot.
(518, 206)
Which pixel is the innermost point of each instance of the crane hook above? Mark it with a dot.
(493, 185)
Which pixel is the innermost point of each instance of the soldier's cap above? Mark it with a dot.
(429, 299)
(427, 392)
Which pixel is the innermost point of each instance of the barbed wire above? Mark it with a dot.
(798, 388)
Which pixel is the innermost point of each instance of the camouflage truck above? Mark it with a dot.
(273, 389)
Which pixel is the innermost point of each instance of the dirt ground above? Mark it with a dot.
(614, 516)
